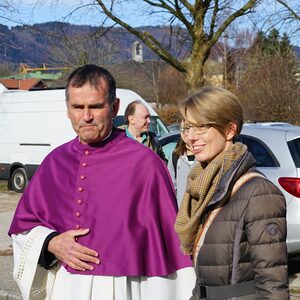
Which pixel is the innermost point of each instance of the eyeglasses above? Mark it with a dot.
(198, 129)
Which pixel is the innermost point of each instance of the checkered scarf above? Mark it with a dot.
(202, 184)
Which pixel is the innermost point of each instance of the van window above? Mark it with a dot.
(157, 126)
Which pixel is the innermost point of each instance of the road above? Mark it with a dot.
(8, 287)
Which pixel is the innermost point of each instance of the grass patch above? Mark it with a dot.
(3, 186)
(295, 291)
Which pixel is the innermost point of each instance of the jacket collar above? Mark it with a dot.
(241, 166)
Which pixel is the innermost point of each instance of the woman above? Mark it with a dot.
(232, 219)
(180, 164)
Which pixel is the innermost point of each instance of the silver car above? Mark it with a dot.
(276, 148)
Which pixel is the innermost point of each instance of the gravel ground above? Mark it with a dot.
(8, 287)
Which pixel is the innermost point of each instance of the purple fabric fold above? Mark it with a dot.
(119, 189)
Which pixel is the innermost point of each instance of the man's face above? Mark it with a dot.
(140, 119)
(90, 112)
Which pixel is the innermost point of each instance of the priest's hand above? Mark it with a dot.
(65, 248)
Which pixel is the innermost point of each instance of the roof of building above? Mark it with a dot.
(22, 84)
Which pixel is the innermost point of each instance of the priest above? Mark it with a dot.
(97, 219)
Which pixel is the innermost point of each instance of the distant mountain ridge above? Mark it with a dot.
(297, 51)
(59, 44)
(43, 43)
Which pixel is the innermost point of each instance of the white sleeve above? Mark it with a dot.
(31, 278)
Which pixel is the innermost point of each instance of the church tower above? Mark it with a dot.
(137, 52)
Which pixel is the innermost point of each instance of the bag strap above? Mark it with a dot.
(239, 225)
(243, 179)
(213, 214)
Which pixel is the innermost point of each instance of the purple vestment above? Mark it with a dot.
(119, 189)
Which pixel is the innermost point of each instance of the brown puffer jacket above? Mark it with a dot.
(246, 242)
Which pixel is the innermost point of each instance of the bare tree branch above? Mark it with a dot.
(242, 11)
(213, 19)
(176, 11)
(293, 13)
(187, 5)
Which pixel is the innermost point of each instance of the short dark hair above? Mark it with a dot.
(130, 110)
(93, 75)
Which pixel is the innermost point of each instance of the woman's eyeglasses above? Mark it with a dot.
(197, 129)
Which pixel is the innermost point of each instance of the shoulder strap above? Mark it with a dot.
(243, 179)
(174, 161)
(235, 257)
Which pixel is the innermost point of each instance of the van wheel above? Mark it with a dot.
(19, 180)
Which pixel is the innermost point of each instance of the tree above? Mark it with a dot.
(6, 69)
(140, 77)
(204, 22)
(6, 8)
(152, 70)
(269, 89)
(274, 43)
(287, 17)
(292, 10)
(172, 86)
(75, 49)
(226, 55)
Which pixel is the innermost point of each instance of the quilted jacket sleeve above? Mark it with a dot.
(265, 222)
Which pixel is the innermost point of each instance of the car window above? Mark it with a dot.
(118, 121)
(168, 143)
(157, 126)
(168, 149)
(294, 146)
(261, 152)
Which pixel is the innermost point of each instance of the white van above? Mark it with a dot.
(33, 123)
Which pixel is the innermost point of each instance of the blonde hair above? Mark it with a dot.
(214, 106)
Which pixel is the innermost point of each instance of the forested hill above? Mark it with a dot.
(61, 44)
(58, 43)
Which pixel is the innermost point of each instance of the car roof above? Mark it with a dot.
(270, 124)
(266, 126)
(267, 133)
(274, 128)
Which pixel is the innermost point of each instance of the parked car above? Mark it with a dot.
(174, 127)
(276, 148)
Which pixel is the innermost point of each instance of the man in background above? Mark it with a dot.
(137, 121)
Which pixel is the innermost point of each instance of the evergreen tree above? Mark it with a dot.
(273, 43)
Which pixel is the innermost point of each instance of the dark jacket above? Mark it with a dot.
(153, 143)
(246, 241)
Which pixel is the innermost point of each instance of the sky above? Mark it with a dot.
(72, 11)
(79, 12)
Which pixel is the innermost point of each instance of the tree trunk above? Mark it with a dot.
(195, 70)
